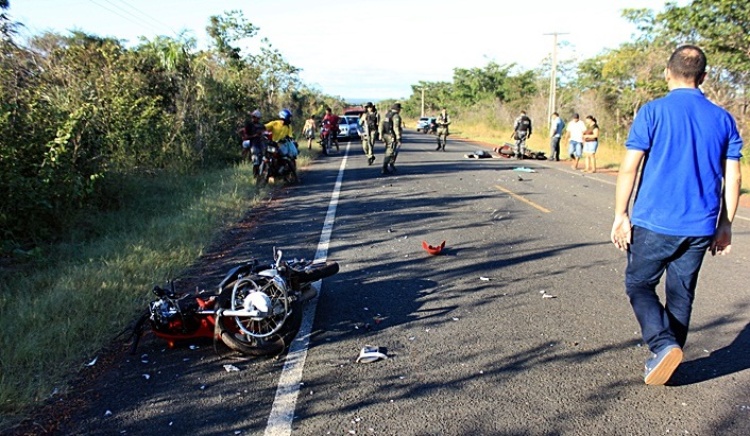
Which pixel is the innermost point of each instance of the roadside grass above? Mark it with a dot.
(69, 300)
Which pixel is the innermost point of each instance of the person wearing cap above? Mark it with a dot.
(252, 139)
(443, 120)
(391, 128)
(574, 133)
(370, 120)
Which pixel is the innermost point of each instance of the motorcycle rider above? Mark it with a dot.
(281, 128)
(443, 120)
(521, 132)
(391, 130)
(332, 121)
(370, 121)
(252, 139)
(281, 131)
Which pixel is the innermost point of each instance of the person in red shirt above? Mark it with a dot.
(333, 122)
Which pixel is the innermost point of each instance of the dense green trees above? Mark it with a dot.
(76, 109)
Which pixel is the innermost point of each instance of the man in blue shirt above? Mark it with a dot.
(556, 128)
(688, 194)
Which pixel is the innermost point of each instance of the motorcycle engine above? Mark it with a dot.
(168, 314)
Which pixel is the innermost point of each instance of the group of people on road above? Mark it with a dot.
(252, 134)
(680, 148)
(582, 138)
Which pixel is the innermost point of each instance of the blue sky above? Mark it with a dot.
(360, 49)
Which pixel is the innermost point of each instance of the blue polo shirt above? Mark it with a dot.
(685, 137)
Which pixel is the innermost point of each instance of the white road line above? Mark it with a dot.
(282, 411)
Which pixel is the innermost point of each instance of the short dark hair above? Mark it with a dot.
(688, 62)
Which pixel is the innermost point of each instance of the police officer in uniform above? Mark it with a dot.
(521, 132)
(370, 121)
(390, 131)
(442, 132)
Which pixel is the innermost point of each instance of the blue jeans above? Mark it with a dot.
(575, 149)
(649, 255)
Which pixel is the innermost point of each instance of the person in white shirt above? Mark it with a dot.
(574, 133)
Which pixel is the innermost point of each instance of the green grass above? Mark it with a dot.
(68, 301)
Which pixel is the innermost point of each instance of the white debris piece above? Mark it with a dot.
(93, 362)
(231, 368)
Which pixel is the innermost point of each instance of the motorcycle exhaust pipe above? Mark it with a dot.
(256, 314)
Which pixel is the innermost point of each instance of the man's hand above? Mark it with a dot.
(621, 232)
(722, 243)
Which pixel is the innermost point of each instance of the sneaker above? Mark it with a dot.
(370, 160)
(661, 365)
(393, 167)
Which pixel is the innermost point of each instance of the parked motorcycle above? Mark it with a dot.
(279, 161)
(431, 128)
(256, 309)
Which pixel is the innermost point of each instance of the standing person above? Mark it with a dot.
(574, 134)
(688, 192)
(370, 121)
(309, 130)
(252, 139)
(390, 130)
(521, 132)
(590, 144)
(443, 120)
(333, 123)
(556, 128)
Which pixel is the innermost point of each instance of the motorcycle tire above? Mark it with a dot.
(232, 336)
(248, 345)
(291, 177)
(264, 175)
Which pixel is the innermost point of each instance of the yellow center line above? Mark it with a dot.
(525, 200)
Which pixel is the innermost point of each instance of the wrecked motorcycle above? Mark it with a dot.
(256, 309)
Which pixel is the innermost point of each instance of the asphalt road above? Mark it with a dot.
(521, 326)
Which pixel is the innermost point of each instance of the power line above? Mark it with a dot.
(149, 17)
(137, 21)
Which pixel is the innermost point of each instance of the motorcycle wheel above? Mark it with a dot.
(255, 337)
(264, 174)
(291, 176)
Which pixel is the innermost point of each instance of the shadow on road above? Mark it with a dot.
(731, 359)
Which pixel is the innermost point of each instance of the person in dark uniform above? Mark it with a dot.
(443, 120)
(370, 121)
(390, 130)
(521, 132)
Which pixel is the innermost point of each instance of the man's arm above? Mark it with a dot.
(722, 243)
(621, 227)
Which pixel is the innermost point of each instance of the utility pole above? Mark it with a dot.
(553, 77)
(422, 102)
